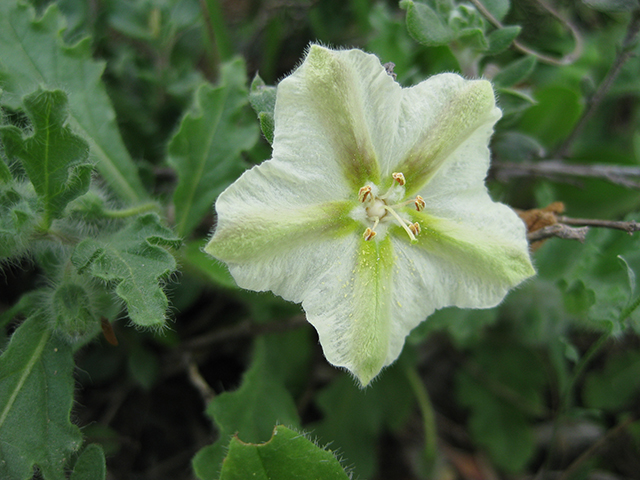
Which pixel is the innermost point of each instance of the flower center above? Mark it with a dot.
(382, 209)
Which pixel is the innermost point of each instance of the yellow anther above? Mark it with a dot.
(364, 193)
(419, 203)
(415, 228)
(398, 177)
(369, 234)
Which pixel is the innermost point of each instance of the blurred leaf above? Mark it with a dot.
(578, 299)
(497, 8)
(512, 146)
(515, 72)
(143, 364)
(425, 25)
(513, 101)
(91, 464)
(287, 456)
(354, 418)
(5, 173)
(503, 387)
(613, 5)
(32, 54)
(54, 158)
(36, 395)
(206, 149)
(134, 261)
(617, 385)
(553, 117)
(502, 38)
(251, 412)
(263, 100)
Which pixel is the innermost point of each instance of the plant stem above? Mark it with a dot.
(133, 211)
(428, 416)
(624, 54)
(629, 227)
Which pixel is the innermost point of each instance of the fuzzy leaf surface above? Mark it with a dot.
(91, 464)
(287, 456)
(33, 54)
(206, 149)
(134, 260)
(54, 158)
(36, 395)
(263, 101)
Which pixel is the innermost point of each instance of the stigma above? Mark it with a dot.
(382, 208)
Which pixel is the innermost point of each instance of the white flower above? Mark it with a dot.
(373, 211)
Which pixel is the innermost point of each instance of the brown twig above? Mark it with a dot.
(624, 54)
(554, 169)
(558, 230)
(629, 227)
(566, 60)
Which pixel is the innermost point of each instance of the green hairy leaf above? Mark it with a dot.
(54, 158)
(287, 456)
(134, 261)
(206, 149)
(33, 54)
(36, 394)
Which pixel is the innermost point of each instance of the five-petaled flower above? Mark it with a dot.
(373, 211)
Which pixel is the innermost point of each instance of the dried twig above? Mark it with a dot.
(629, 227)
(555, 169)
(558, 230)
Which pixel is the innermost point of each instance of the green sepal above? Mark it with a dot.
(54, 158)
(263, 100)
(289, 455)
(134, 261)
(36, 395)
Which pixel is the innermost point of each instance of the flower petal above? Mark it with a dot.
(327, 115)
(470, 264)
(452, 111)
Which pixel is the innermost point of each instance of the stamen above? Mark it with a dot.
(415, 228)
(364, 193)
(401, 222)
(369, 234)
(398, 177)
(419, 203)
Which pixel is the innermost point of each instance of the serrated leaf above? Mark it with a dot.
(502, 38)
(425, 25)
(515, 72)
(261, 402)
(54, 158)
(91, 464)
(287, 456)
(33, 54)
(134, 261)
(263, 101)
(616, 386)
(206, 149)
(36, 395)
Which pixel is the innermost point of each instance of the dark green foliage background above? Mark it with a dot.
(122, 120)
